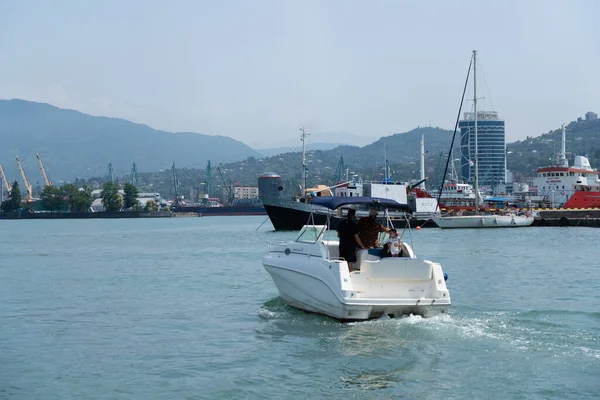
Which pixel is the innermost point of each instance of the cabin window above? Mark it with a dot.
(563, 186)
(543, 187)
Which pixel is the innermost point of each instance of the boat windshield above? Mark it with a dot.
(311, 233)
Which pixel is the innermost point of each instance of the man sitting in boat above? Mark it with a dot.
(347, 231)
(368, 229)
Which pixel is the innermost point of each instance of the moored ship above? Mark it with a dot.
(561, 185)
(238, 207)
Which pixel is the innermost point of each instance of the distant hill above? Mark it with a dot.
(317, 141)
(525, 156)
(402, 151)
(72, 144)
(309, 146)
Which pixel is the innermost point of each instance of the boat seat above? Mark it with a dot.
(364, 255)
(334, 250)
(397, 268)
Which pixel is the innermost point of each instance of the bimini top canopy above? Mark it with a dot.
(333, 202)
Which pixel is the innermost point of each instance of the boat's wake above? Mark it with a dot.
(529, 331)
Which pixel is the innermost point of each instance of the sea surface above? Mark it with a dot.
(181, 308)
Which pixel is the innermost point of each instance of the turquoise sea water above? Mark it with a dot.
(182, 308)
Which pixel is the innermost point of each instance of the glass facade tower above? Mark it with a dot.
(491, 148)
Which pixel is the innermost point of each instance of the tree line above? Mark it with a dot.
(70, 198)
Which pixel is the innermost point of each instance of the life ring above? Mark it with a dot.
(563, 192)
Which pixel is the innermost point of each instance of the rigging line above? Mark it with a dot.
(485, 83)
(454, 134)
(262, 223)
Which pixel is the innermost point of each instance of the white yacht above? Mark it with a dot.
(311, 276)
(484, 221)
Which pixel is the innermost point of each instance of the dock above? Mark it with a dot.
(565, 217)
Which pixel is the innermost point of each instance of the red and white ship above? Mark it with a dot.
(566, 186)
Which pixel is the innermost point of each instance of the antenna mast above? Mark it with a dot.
(423, 161)
(303, 138)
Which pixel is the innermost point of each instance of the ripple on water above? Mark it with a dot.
(182, 308)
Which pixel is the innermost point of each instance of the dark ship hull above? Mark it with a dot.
(222, 211)
(291, 215)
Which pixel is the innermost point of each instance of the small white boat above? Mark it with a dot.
(311, 276)
(483, 221)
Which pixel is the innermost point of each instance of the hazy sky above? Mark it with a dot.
(259, 70)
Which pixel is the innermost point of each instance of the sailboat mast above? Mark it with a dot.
(476, 148)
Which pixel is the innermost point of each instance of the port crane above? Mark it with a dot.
(47, 181)
(5, 182)
(339, 171)
(111, 174)
(134, 174)
(176, 184)
(28, 187)
(207, 182)
(227, 183)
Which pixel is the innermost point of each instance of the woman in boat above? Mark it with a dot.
(347, 231)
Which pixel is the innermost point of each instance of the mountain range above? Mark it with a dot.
(72, 144)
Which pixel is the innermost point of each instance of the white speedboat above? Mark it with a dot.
(483, 221)
(311, 276)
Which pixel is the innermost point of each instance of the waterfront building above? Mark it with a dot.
(245, 192)
(491, 148)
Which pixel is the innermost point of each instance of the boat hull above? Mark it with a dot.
(290, 215)
(584, 199)
(483, 221)
(317, 287)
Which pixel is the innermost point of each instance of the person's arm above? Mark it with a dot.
(358, 241)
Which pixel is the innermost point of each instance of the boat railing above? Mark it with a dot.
(276, 244)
